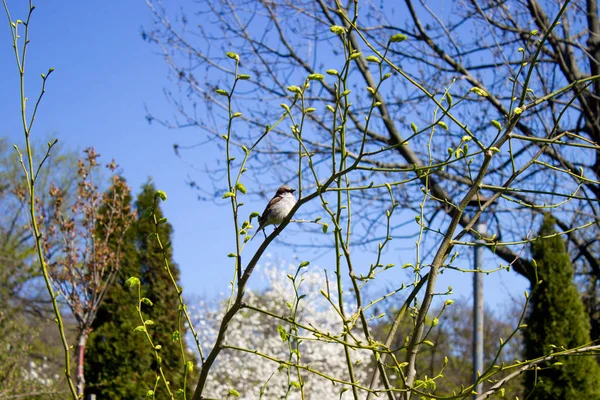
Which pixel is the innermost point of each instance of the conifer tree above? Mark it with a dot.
(557, 318)
(120, 362)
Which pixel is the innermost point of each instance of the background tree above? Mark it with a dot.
(18, 271)
(557, 320)
(30, 358)
(89, 234)
(118, 364)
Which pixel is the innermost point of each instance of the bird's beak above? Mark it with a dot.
(293, 190)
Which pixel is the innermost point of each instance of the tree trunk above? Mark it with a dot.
(81, 341)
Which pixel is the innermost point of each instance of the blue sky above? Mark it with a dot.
(104, 77)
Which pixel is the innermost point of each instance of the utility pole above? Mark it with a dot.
(478, 310)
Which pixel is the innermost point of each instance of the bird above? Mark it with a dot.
(278, 208)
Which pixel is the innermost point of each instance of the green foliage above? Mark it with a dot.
(18, 261)
(120, 364)
(557, 318)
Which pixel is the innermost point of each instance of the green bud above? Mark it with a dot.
(233, 56)
(240, 187)
(354, 55)
(338, 30)
(398, 37)
(478, 91)
(132, 282)
(161, 194)
(147, 301)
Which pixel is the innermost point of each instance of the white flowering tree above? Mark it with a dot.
(263, 347)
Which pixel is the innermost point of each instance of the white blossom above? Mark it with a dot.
(38, 373)
(249, 374)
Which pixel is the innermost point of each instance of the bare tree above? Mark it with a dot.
(452, 48)
(474, 109)
(504, 36)
(403, 117)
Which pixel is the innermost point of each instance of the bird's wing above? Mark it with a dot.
(264, 218)
(266, 214)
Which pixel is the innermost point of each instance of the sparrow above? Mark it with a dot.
(278, 208)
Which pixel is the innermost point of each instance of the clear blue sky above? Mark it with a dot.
(104, 76)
